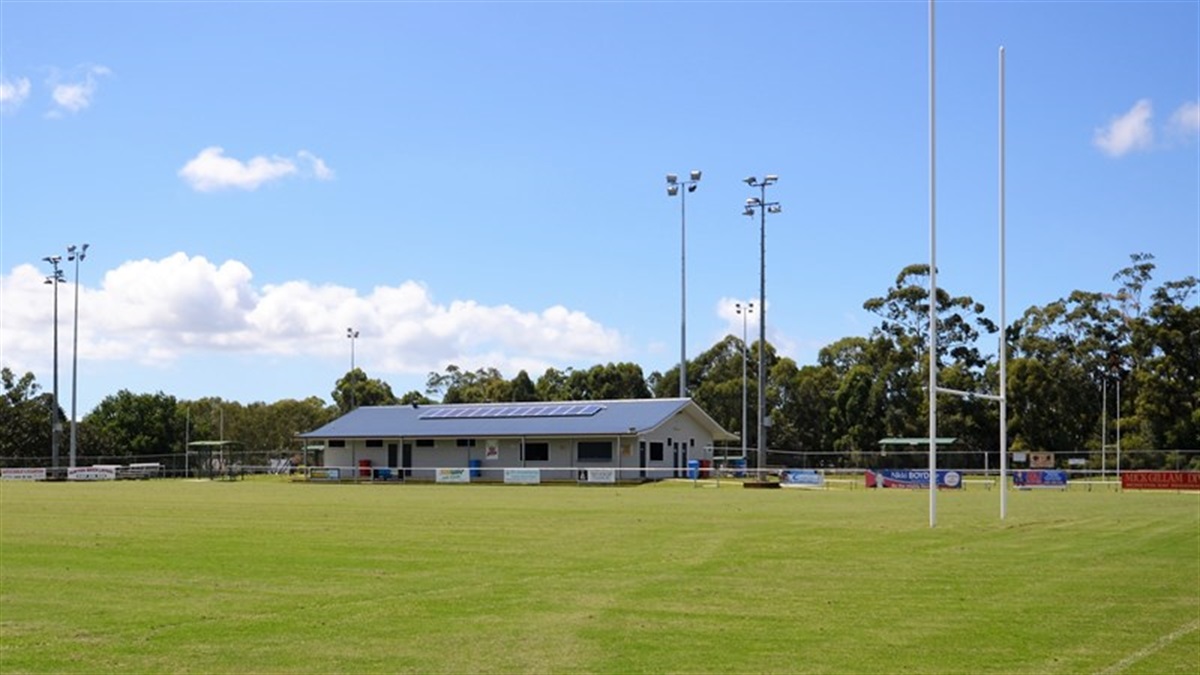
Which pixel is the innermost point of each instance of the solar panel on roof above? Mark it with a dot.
(509, 411)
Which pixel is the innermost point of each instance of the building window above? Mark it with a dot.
(424, 442)
(595, 451)
(537, 452)
(337, 444)
(374, 443)
(465, 442)
(656, 451)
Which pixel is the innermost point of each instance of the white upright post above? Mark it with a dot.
(1003, 324)
(932, 288)
(1103, 425)
(1118, 427)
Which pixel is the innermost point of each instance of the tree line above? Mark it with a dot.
(1063, 357)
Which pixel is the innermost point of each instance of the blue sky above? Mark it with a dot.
(483, 183)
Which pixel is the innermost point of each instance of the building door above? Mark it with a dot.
(406, 459)
(642, 458)
(393, 455)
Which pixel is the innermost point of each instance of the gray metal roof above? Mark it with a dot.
(614, 418)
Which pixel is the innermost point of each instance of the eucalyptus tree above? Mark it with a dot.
(24, 416)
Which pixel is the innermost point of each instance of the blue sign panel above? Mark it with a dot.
(916, 479)
(794, 478)
(1042, 478)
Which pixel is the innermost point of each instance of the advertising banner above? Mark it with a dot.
(1040, 479)
(806, 479)
(453, 476)
(598, 476)
(322, 473)
(523, 476)
(1160, 480)
(92, 473)
(23, 474)
(916, 479)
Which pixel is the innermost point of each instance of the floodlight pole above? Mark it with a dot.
(762, 206)
(744, 311)
(674, 186)
(54, 279)
(75, 255)
(353, 335)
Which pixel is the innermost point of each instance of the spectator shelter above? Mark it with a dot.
(210, 459)
(636, 439)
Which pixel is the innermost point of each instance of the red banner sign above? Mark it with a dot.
(1160, 480)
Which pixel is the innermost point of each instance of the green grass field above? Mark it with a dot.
(265, 576)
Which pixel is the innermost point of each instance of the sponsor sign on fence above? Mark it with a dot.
(1160, 480)
(597, 475)
(92, 473)
(1040, 479)
(324, 473)
(523, 476)
(912, 478)
(23, 474)
(453, 476)
(808, 479)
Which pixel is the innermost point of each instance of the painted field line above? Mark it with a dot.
(1151, 649)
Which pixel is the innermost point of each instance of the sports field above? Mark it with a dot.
(265, 576)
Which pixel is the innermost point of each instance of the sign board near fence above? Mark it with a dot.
(23, 474)
(806, 479)
(916, 479)
(1160, 480)
(598, 475)
(324, 473)
(523, 476)
(92, 473)
(1041, 460)
(453, 476)
(1040, 479)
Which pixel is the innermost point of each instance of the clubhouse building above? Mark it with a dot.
(592, 441)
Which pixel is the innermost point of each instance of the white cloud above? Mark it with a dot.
(77, 94)
(158, 312)
(1128, 132)
(319, 169)
(1185, 121)
(211, 170)
(13, 93)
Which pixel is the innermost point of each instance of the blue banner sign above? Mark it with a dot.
(795, 478)
(917, 479)
(1041, 478)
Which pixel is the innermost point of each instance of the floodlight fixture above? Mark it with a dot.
(750, 180)
(672, 179)
(672, 190)
(774, 208)
(695, 175)
(771, 178)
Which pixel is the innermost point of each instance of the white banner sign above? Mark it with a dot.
(453, 476)
(598, 476)
(92, 473)
(523, 476)
(23, 474)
